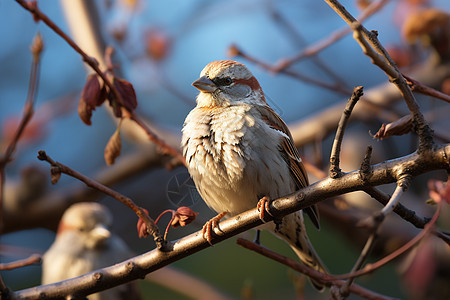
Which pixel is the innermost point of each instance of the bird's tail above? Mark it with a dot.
(293, 231)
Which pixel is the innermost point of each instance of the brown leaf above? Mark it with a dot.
(92, 92)
(233, 51)
(183, 216)
(424, 22)
(400, 127)
(402, 56)
(119, 33)
(92, 95)
(55, 172)
(157, 44)
(85, 112)
(142, 227)
(126, 91)
(112, 149)
(439, 191)
(363, 4)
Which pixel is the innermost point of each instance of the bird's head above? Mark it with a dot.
(226, 83)
(89, 221)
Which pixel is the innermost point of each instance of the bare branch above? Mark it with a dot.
(58, 167)
(369, 268)
(33, 259)
(418, 87)
(234, 50)
(353, 288)
(373, 7)
(375, 222)
(372, 47)
(386, 172)
(335, 171)
(92, 62)
(36, 49)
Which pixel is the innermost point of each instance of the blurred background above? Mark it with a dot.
(161, 47)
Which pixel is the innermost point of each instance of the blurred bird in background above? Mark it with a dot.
(83, 244)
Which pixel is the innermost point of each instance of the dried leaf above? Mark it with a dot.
(402, 56)
(85, 112)
(142, 227)
(183, 216)
(233, 51)
(439, 191)
(157, 44)
(424, 22)
(92, 92)
(113, 147)
(363, 4)
(92, 95)
(400, 127)
(127, 93)
(55, 172)
(119, 33)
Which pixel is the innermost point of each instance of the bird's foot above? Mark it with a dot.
(212, 224)
(257, 239)
(263, 208)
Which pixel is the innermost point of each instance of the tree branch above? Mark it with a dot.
(335, 36)
(58, 168)
(33, 259)
(371, 46)
(335, 171)
(137, 267)
(310, 272)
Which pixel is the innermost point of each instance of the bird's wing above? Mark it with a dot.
(291, 156)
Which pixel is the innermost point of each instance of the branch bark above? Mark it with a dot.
(137, 267)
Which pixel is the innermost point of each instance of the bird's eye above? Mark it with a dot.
(227, 81)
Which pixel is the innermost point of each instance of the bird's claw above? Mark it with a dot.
(263, 208)
(209, 227)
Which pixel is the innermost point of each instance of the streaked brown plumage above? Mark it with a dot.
(239, 150)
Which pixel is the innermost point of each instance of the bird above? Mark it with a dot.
(240, 154)
(84, 243)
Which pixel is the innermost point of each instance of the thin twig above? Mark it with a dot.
(167, 149)
(372, 47)
(335, 171)
(373, 7)
(151, 226)
(92, 62)
(393, 202)
(426, 90)
(376, 221)
(401, 210)
(32, 7)
(137, 267)
(300, 42)
(310, 272)
(33, 259)
(369, 268)
(36, 49)
(235, 51)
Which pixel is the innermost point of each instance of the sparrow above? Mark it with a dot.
(240, 154)
(83, 244)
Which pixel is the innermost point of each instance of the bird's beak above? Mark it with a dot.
(98, 236)
(204, 84)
